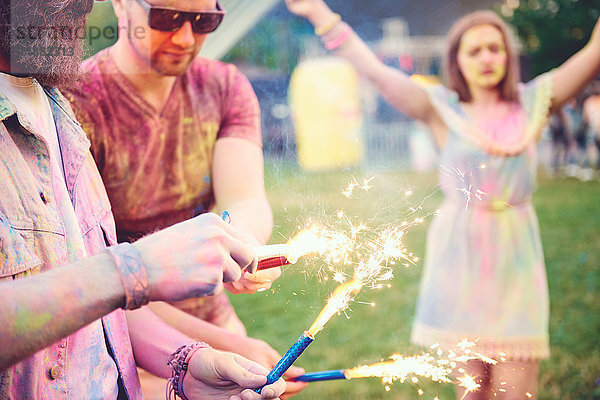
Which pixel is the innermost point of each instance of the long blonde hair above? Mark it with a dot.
(455, 79)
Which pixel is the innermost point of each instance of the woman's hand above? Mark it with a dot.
(301, 7)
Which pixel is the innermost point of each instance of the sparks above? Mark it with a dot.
(464, 177)
(402, 368)
(331, 245)
(468, 382)
(366, 185)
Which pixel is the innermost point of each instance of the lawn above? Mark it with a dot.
(569, 216)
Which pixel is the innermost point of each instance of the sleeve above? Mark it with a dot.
(241, 110)
(536, 98)
(15, 257)
(446, 103)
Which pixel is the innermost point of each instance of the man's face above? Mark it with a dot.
(168, 53)
(44, 39)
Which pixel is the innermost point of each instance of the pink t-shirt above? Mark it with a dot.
(157, 165)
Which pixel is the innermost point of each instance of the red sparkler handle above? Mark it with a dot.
(272, 262)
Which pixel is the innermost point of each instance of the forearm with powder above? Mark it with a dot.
(40, 310)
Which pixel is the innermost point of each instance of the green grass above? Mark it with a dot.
(569, 215)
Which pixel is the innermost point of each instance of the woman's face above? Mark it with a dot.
(482, 56)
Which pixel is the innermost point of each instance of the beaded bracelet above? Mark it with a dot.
(179, 363)
(132, 273)
(322, 30)
(338, 40)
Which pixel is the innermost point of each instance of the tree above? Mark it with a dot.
(551, 30)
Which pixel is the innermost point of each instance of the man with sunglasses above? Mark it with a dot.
(64, 281)
(175, 135)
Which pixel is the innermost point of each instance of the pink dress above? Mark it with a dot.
(484, 277)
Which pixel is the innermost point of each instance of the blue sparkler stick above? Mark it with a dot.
(288, 358)
(322, 376)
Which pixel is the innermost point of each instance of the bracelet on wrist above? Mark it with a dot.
(333, 43)
(179, 363)
(132, 273)
(322, 30)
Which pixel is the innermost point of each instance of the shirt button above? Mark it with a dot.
(45, 197)
(55, 372)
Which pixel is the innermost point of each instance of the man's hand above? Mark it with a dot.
(256, 282)
(213, 374)
(193, 258)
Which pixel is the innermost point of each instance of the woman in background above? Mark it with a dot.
(484, 277)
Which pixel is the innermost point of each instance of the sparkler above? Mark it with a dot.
(435, 367)
(322, 376)
(386, 246)
(272, 256)
(400, 368)
(288, 358)
(313, 240)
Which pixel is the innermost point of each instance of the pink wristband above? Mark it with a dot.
(132, 273)
(339, 39)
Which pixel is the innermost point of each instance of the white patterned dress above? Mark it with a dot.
(484, 278)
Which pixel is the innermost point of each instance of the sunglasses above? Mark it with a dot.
(171, 19)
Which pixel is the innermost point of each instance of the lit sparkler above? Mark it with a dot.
(437, 367)
(333, 246)
(400, 368)
(387, 245)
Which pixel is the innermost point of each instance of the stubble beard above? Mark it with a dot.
(45, 41)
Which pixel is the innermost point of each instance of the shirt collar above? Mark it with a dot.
(73, 141)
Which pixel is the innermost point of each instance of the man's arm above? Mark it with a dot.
(189, 259)
(40, 310)
(238, 184)
(208, 372)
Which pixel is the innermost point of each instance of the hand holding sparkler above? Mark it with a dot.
(224, 376)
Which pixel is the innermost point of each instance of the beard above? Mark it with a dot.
(44, 39)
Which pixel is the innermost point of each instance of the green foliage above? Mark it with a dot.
(570, 227)
(553, 30)
(101, 28)
(270, 44)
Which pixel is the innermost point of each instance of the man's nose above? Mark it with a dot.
(184, 36)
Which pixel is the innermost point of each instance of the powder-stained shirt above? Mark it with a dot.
(156, 165)
(43, 228)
